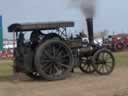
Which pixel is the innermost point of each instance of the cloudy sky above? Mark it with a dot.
(110, 14)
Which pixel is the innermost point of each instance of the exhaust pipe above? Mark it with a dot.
(90, 30)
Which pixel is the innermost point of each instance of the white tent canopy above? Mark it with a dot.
(9, 46)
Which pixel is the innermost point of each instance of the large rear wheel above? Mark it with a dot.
(53, 60)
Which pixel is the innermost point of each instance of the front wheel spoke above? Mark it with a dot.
(104, 56)
(101, 68)
(107, 57)
(98, 67)
(107, 68)
(108, 65)
(101, 55)
(88, 68)
(85, 66)
(104, 68)
(91, 67)
(109, 62)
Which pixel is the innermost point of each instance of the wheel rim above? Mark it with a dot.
(104, 62)
(55, 60)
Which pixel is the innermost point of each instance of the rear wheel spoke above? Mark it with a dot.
(56, 68)
(45, 61)
(47, 54)
(46, 68)
(64, 56)
(58, 50)
(50, 70)
(54, 50)
(63, 65)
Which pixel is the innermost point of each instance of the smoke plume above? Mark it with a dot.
(86, 6)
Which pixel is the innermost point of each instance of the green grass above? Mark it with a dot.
(121, 58)
(6, 65)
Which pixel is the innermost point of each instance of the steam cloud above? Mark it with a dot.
(86, 6)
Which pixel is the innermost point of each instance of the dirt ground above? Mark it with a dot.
(78, 84)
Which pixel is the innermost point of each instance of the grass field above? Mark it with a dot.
(6, 65)
(121, 58)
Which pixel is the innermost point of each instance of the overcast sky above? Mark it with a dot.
(111, 14)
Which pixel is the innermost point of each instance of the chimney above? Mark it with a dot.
(90, 30)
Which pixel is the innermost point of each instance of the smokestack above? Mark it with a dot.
(90, 30)
(88, 8)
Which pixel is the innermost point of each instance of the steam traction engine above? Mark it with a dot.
(53, 55)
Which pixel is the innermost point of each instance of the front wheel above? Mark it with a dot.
(104, 62)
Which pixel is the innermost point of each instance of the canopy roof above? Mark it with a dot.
(16, 27)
